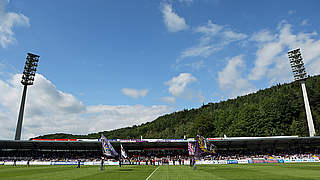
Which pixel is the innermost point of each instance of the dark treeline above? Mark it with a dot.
(275, 111)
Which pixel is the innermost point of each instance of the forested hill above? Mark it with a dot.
(275, 111)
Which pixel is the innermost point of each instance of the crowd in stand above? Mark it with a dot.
(51, 155)
(178, 159)
(288, 155)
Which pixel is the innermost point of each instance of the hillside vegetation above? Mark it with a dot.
(274, 111)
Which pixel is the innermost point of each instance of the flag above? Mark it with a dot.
(190, 149)
(203, 146)
(198, 151)
(123, 152)
(212, 148)
(107, 148)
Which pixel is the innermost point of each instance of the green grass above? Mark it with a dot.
(301, 171)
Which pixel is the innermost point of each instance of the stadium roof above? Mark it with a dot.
(96, 145)
(80, 145)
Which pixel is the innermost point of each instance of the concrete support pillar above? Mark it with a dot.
(20, 118)
(308, 111)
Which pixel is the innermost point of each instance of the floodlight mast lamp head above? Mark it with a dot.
(29, 72)
(297, 65)
(30, 69)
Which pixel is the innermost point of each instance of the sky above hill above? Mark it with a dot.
(112, 64)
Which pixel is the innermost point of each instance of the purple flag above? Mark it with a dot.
(107, 148)
(197, 148)
(203, 146)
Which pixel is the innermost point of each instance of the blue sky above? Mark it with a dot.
(111, 64)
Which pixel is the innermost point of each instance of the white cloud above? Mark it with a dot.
(262, 36)
(209, 29)
(135, 93)
(314, 67)
(169, 99)
(280, 72)
(271, 62)
(265, 57)
(49, 110)
(230, 78)
(7, 21)
(271, 57)
(177, 84)
(197, 96)
(214, 37)
(304, 22)
(173, 22)
(180, 1)
(202, 51)
(107, 117)
(234, 36)
(185, 1)
(196, 65)
(291, 12)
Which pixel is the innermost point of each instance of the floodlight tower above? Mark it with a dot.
(29, 72)
(299, 74)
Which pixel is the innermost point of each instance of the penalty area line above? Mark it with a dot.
(152, 173)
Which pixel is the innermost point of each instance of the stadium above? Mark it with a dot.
(146, 158)
(144, 154)
(299, 149)
(160, 90)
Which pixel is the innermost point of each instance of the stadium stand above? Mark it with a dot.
(164, 151)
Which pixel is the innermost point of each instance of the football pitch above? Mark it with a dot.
(301, 171)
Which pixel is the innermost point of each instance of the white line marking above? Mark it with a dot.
(152, 173)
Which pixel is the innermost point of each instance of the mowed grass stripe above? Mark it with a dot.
(183, 173)
(71, 172)
(264, 171)
(293, 171)
(115, 172)
(23, 171)
(235, 172)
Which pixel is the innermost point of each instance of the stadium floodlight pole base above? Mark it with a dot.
(20, 118)
(308, 111)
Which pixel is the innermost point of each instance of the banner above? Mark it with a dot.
(232, 162)
(107, 148)
(190, 149)
(66, 163)
(243, 161)
(97, 163)
(265, 161)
